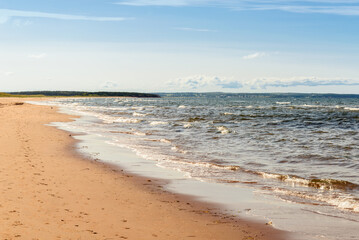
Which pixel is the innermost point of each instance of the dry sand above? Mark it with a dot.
(47, 191)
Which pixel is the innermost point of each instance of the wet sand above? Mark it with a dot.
(48, 191)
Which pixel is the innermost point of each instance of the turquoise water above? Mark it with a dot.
(300, 149)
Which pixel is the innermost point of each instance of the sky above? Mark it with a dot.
(309, 46)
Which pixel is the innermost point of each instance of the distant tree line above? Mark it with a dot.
(87, 94)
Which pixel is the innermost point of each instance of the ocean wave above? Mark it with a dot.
(138, 114)
(154, 123)
(305, 106)
(163, 140)
(331, 184)
(223, 130)
(352, 108)
(341, 201)
(285, 178)
(213, 165)
(283, 103)
(137, 108)
(228, 113)
(178, 149)
(324, 184)
(187, 125)
(196, 119)
(138, 133)
(121, 120)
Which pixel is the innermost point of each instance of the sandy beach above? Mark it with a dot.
(48, 191)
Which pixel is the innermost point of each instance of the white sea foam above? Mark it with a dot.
(154, 123)
(203, 165)
(177, 149)
(138, 133)
(137, 108)
(286, 178)
(223, 129)
(181, 106)
(187, 125)
(352, 108)
(342, 201)
(165, 140)
(138, 114)
(283, 103)
(110, 119)
(309, 106)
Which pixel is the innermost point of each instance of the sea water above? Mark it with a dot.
(300, 149)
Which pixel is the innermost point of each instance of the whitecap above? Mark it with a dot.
(158, 123)
(138, 114)
(352, 108)
(187, 125)
(139, 133)
(120, 120)
(165, 140)
(223, 130)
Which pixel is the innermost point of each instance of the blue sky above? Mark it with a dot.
(180, 45)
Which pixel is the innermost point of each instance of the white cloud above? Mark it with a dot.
(6, 14)
(254, 55)
(215, 83)
(202, 83)
(109, 86)
(37, 56)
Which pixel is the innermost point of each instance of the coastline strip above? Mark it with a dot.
(47, 191)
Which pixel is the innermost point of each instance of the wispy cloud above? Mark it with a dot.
(337, 9)
(254, 55)
(37, 56)
(263, 83)
(168, 3)
(344, 7)
(215, 83)
(6, 14)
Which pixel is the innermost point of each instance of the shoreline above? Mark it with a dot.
(58, 201)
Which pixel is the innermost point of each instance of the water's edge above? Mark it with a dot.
(243, 202)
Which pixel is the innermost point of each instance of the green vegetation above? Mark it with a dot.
(5, 95)
(18, 96)
(79, 94)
